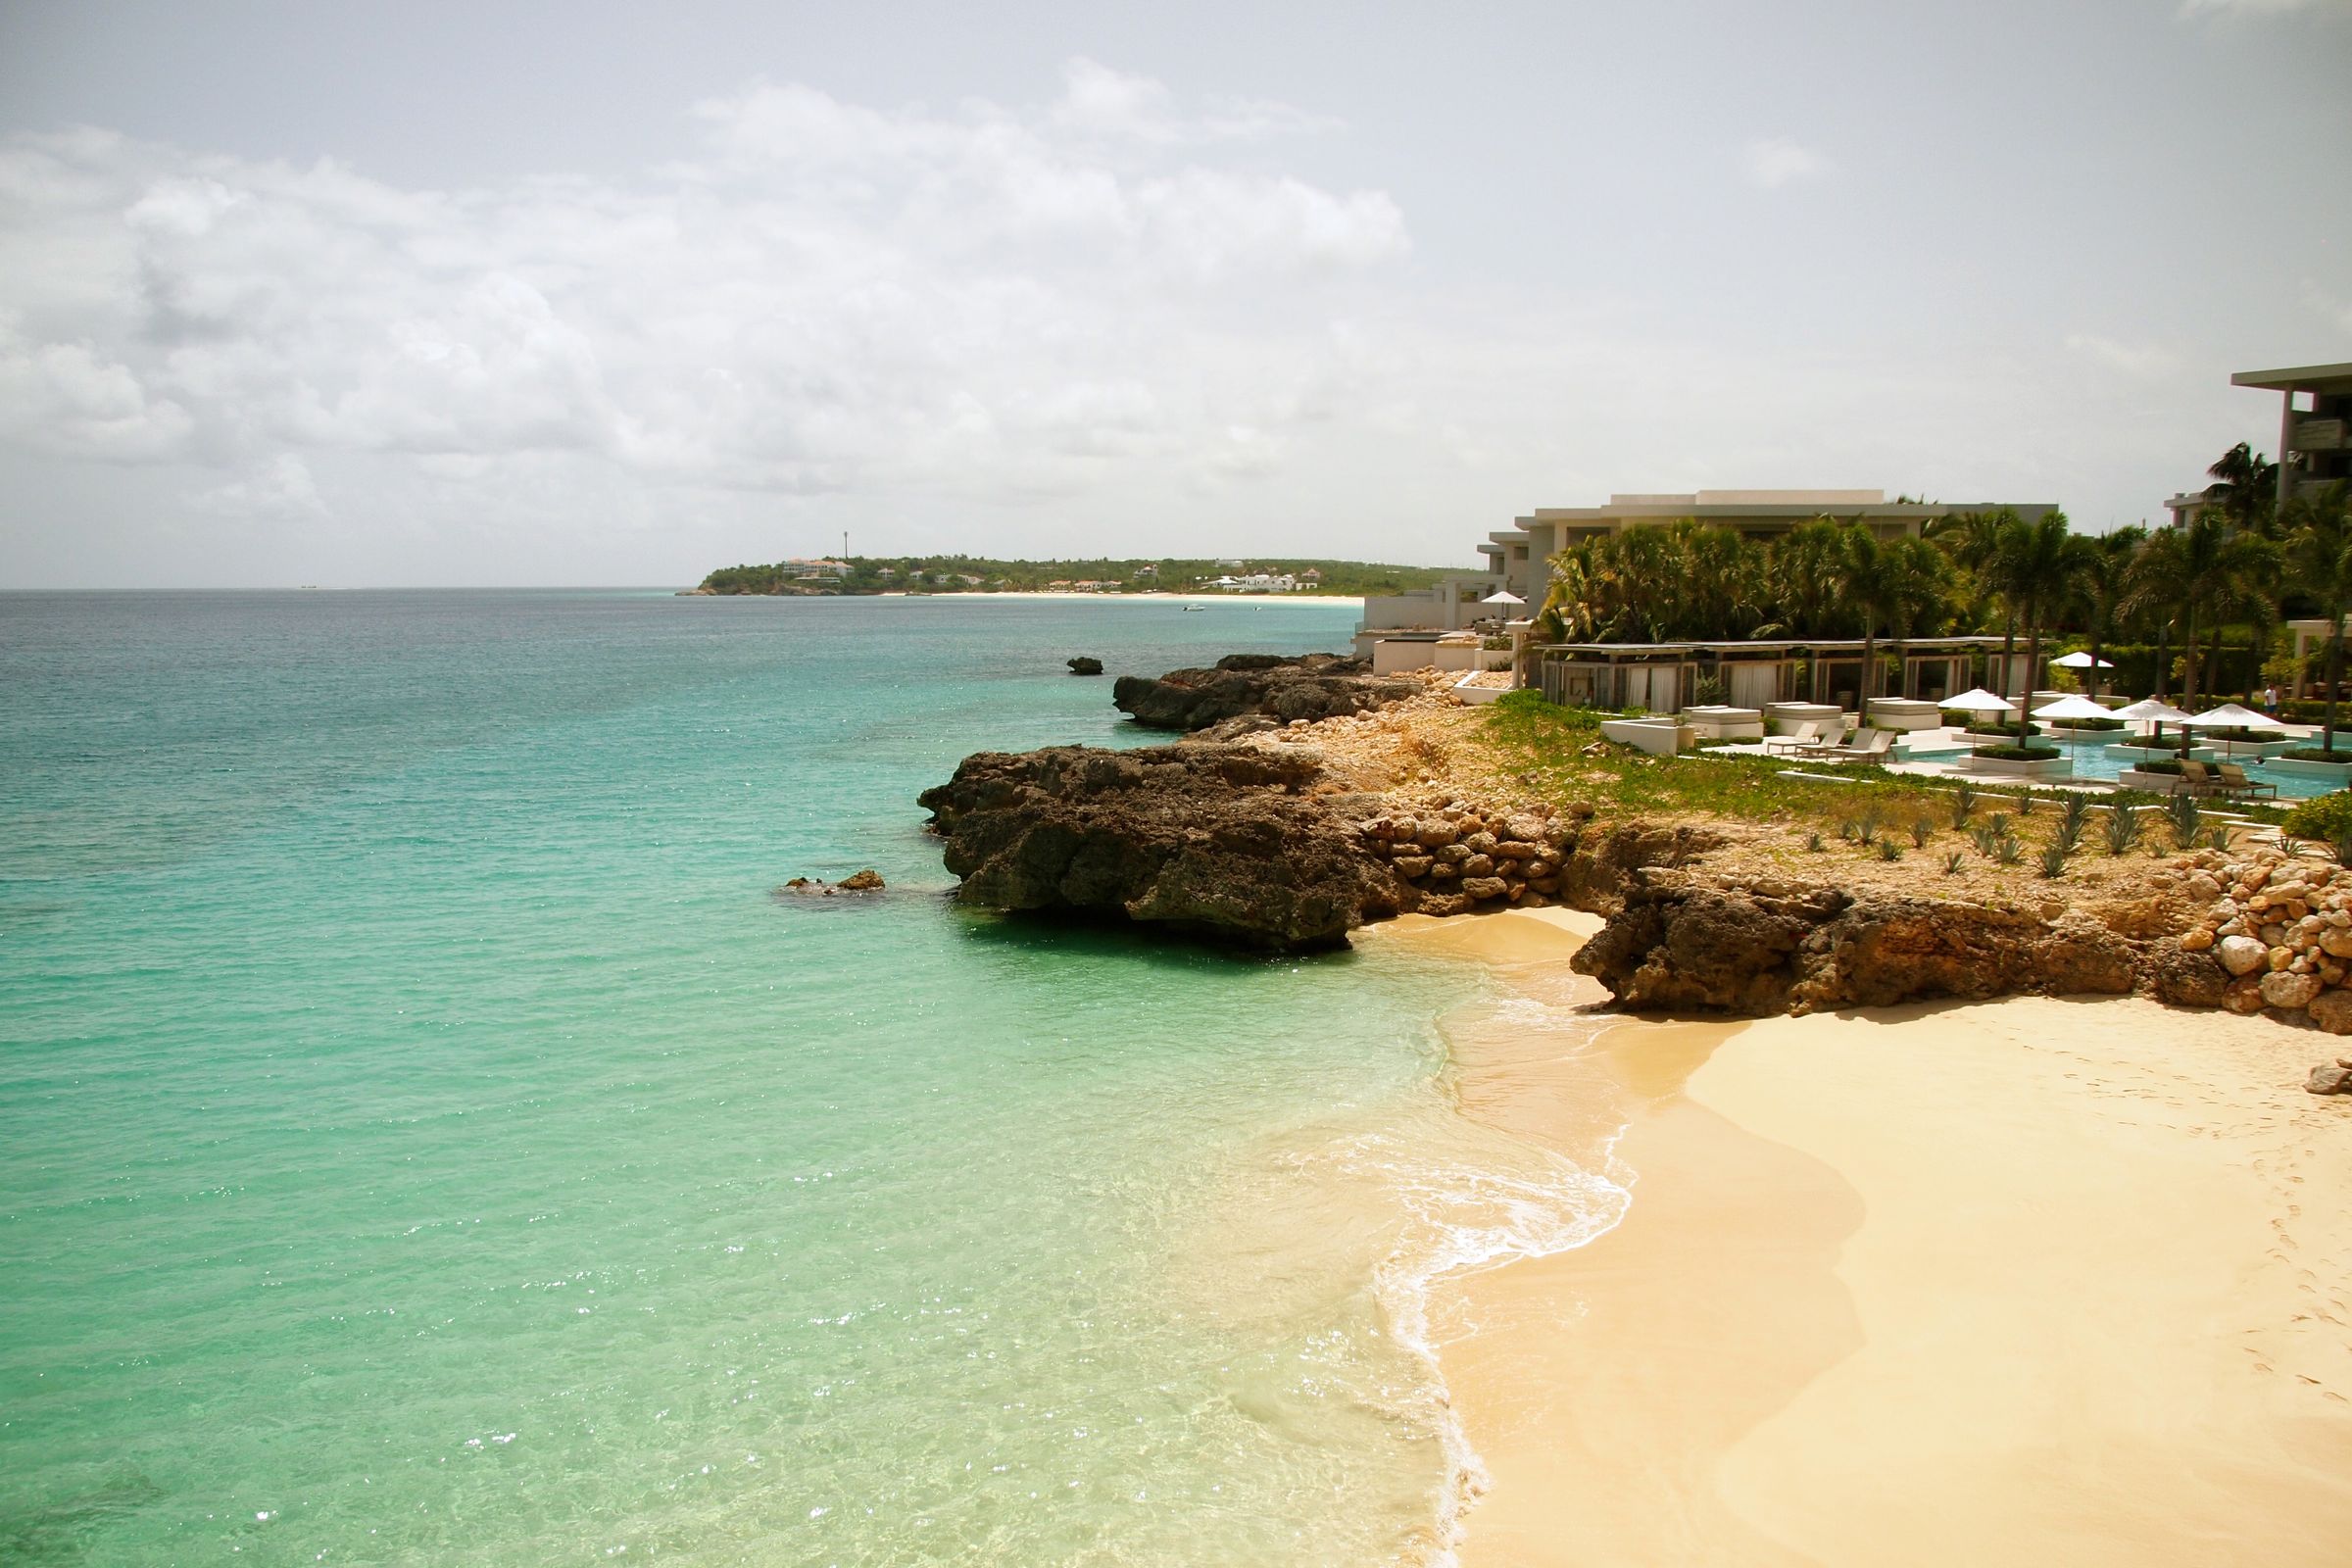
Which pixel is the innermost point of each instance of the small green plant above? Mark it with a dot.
(2053, 861)
(2024, 802)
(1963, 803)
(1921, 828)
(1868, 827)
(1986, 838)
(1889, 850)
(1998, 823)
(1951, 862)
(1813, 843)
(2074, 816)
(1847, 832)
(2186, 820)
(2123, 829)
(2289, 846)
(2008, 851)
(2066, 841)
(2219, 837)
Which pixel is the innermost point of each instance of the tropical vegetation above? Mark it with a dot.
(2219, 582)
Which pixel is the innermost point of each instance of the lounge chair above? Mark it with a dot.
(2196, 781)
(2234, 781)
(1867, 745)
(1807, 736)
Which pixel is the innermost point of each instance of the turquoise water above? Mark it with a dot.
(2091, 760)
(426, 1137)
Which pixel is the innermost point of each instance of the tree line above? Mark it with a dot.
(2240, 560)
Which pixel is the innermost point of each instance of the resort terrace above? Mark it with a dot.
(1664, 677)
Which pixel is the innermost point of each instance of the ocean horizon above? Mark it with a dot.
(428, 1133)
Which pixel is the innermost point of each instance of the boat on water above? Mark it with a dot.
(1190, 609)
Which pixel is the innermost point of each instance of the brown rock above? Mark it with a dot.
(2241, 954)
(2243, 996)
(1480, 866)
(868, 880)
(2323, 1080)
(1483, 887)
(2331, 1010)
(2288, 992)
(2197, 940)
(2187, 979)
(1411, 865)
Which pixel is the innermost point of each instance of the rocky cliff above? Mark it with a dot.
(1258, 685)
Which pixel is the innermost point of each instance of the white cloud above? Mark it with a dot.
(993, 300)
(1775, 161)
(2137, 360)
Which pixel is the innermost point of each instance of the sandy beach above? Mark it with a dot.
(2060, 1282)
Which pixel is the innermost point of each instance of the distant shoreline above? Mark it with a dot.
(1168, 597)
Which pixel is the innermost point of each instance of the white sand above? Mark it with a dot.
(2027, 1282)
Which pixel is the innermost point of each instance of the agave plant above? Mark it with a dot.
(1813, 843)
(1998, 823)
(2186, 820)
(1846, 830)
(1921, 828)
(2075, 815)
(2123, 829)
(2053, 861)
(2024, 802)
(2066, 841)
(2008, 851)
(1868, 827)
(2219, 837)
(1889, 850)
(1951, 863)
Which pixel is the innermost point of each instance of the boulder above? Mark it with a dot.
(2187, 979)
(1217, 841)
(1085, 664)
(2331, 1010)
(2287, 991)
(1483, 887)
(2241, 954)
(868, 880)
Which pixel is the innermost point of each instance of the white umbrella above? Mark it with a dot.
(1503, 596)
(2072, 707)
(2153, 711)
(1978, 700)
(2080, 662)
(2230, 715)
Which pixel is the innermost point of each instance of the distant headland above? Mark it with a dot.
(983, 574)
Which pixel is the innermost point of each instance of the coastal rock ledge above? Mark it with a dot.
(1268, 687)
(1206, 839)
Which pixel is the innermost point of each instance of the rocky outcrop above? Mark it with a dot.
(1216, 840)
(868, 880)
(1680, 945)
(1086, 664)
(1262, 685)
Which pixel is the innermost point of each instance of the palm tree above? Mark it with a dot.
(1804, 571)
(2245, 488)
(2318, 553)
(2205, 566)
(1919, 593)
(2039, 569)
(2107, 588)
(2150, 590)
(1973, 540)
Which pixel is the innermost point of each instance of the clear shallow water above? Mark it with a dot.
(425, 1139)
(2092, 759)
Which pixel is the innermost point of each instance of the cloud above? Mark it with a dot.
(2131, 359)
(281, 487)
(1775, 161)
(991, 300)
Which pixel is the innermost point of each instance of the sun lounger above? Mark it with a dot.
(2234, 781)
(1807, 736)
(1867, 745)
(2196, 781)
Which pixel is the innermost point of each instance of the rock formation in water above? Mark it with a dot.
(1086, 664)
(1269, 686)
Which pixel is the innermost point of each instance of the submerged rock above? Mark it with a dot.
(868, 880)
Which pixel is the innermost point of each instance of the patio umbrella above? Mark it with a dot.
(2080, 662)
(2227, 716)
(2072, 707)
(2152, 710)
(1976, 700)
(1503, 596)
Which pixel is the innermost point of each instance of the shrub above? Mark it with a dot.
(2160, 764)
(1989, 727)
(2086, 726)
(2319, 754)
(2020, 753)
(2323, 816)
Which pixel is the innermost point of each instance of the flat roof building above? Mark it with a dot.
(2315, 440)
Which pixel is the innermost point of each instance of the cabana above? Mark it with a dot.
(1662, 677)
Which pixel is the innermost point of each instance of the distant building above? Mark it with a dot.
(1146, 570)
(1256, 582)
(1312, 575)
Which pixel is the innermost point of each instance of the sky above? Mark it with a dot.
(452, 294)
